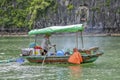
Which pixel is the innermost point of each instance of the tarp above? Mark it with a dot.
(76, 57)
(57, 29)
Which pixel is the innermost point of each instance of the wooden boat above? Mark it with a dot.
(87, 58)
(89, 55)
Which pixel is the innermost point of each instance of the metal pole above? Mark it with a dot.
(82, 40)
(35, 39)
(77, 40)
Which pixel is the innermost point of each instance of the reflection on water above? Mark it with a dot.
(75, 72)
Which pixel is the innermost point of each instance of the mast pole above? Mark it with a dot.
(35, 39)
(77, 40)
(82, 40)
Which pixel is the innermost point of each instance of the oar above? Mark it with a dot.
(55, 48)
(19, 60)
(46, 56)
(44, 59)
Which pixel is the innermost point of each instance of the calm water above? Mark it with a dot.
(106, 67)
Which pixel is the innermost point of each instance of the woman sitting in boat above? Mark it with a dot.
(46, 44)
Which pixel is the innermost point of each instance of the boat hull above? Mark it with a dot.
(61, 59)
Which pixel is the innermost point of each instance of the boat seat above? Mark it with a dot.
(89, 51)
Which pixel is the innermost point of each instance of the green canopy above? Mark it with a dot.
(57, 29)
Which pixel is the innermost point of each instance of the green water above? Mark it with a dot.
(106, 67)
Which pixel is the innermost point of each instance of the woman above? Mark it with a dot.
(46, 44)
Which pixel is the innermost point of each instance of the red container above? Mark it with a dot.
(37, 50)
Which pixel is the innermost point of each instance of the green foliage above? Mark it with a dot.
(22, 13)
(33, 9)
(70, 7)
(118, 10)
(13, 13)
(95, 9)
(38, 9)
(108, 3)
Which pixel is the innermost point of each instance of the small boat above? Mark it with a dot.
(88, 55)
(87, 58)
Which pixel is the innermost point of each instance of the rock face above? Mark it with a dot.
(101, 16)
(98, 16)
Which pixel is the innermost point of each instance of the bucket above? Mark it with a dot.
(60, 53)
(37, 50)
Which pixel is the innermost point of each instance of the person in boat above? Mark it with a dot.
(76, 57)
(46, 44)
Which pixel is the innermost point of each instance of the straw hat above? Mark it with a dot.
(47, 35)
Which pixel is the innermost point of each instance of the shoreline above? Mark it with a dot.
(84, 34)
(104, 34)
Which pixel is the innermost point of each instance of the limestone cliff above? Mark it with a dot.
(98, 15)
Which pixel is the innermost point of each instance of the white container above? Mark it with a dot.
(27, 51)
(37, 52)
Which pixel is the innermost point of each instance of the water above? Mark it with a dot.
(106, 67)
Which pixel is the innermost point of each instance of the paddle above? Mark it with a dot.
(44, 59)
(55, 48)
(19, 60)
(47, 53)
